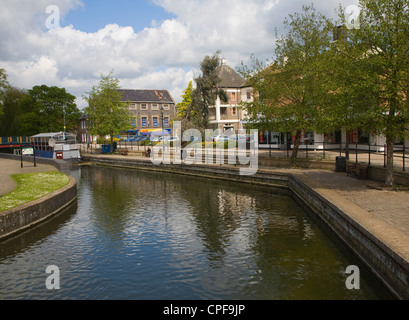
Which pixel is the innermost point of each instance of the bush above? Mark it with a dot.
(146, 143)
(103, 141)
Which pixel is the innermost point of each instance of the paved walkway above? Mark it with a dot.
(371, 196)
(9, 167)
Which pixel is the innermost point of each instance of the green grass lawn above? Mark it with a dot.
(32, 186)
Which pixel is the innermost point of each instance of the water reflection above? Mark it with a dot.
(145, 235)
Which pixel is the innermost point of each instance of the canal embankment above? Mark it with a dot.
(19, 219)
(370, 220)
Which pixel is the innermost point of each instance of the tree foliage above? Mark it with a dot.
(3, 86)
(291, 92)
(184, 106)
(38, 110)
(11, 120)
(107, 114)
(377, 71)
(49, 106)
(207, 90)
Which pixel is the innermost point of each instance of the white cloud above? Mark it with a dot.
(162, 56)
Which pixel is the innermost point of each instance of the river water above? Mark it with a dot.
(153, 236)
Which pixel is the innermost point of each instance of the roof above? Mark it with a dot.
(230, 78)
(151, 96)
(46, 135)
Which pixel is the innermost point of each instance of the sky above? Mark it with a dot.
(151, 44)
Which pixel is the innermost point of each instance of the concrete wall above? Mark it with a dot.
(283, 162)
(379, 174)
(21, 218)
(390, 267)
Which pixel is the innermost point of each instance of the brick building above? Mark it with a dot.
(152, 110)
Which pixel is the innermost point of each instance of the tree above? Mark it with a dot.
(185, 113)
(206, 91)
(51, 109)
(3, 86)
(378, 71)
(291, 92)
(184, 106)
(107, 114)
(10, 122)
(41, 109)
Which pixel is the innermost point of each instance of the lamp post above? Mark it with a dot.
(64, 121)
(163, 130)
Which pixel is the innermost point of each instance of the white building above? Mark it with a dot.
(225, 116)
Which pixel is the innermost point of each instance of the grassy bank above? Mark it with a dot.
(32, 186)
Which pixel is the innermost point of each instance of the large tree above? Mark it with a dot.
(49, 109)
(107, 114)
(207, 90)
(291, 92)
(377, 71)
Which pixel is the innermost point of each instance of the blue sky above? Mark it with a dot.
(151, 44)
(96, 14)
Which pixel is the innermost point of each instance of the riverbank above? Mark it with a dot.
(371, 220)
(25, 216)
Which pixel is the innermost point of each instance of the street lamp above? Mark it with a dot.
(64, 121)
(163, 130)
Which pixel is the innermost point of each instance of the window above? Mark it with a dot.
(233, 96)
(144, 121)
(132, 106)
(166, 121)
(133, 122)
(248, 95)
(155, 121)
(144, 106)
(155, 107)
(234, 112)
(165, 107)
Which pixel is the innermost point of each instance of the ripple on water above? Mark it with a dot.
(150, 236)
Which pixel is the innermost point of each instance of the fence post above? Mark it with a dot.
(384, 155)
(404, 156)
(324, 147)
(369, 155)
(356, 152)
(306, 148)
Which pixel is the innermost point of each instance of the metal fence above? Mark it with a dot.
(371, 154)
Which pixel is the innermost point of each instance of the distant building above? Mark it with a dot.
(83, 135)
(152, 110)
(225, 116)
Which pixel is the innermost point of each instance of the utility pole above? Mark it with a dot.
(64, 121)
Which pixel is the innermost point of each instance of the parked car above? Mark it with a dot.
(170, 139)
(221, 138)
